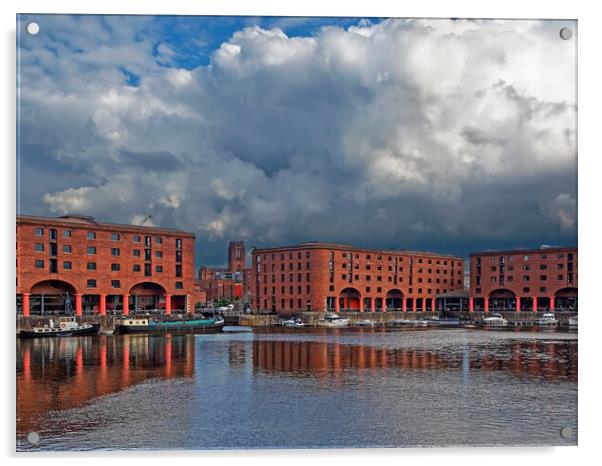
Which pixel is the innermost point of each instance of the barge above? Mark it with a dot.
(128, 325)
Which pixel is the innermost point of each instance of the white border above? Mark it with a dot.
(590, 79)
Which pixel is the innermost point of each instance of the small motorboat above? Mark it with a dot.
(573, 321)
(333, 320)
(547, 318)
(437, 321)
(408, 322)
(494, 320)
(365, 323)
(145, 324)
(295, 322)
(68, 327)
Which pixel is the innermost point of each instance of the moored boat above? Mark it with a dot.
(365, 323)
(68, 327)
(547, 318)
(333, 320)
(148, 325)
(294, 322)
(494, 320)
(408, 322)
(437, 321)
(573, 321)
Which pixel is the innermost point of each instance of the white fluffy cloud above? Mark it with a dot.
(408, 133)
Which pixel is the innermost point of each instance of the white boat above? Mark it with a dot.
(365, 323)
(68, 326)
(494, 320)
(409, 322)
(547, 318)
(573, 321)
(333, 320)
(295, 322)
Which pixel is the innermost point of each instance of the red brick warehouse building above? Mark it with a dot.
(526, 279)
(323, 276)
(76, 263)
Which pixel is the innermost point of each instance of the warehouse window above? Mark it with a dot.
(67, 248)
(66, 233)
(39, 247)
(115, 284)
(91, 283)
(136, 238)
(39, 232)
(67, 265)
(90, 250)
(115, 236)
(136, 268)
(159, 268)
(115, 267)
(114, 251)
(91, 235)
(91, 266)
(39, 264)
(179, 285)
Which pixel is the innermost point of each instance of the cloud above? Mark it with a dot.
(428, 134)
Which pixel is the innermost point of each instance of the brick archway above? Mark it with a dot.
(350, 299)
(50, 296)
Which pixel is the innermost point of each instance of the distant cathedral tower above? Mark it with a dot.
(236, 256)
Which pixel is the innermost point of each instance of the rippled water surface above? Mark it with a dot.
(282, 388)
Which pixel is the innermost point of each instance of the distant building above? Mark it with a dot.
(227, 283)
(524, 280)
(324, 276)
(74, 263)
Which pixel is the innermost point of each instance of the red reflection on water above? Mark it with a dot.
(537, 359)
(64, 373)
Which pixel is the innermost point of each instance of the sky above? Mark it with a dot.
(438, 135)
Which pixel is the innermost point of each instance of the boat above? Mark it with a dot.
(494, 320)
(365, 323)
(294, 322)
(333, 320)
(573, 321)
(547, 318)
(147, 325)
(437, 321)
(408, 322)
(68, 327)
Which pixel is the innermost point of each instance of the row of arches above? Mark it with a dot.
(503, 299)
(350, 299)
(61, 297)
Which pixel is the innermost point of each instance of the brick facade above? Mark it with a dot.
(320, 276)
(99, 265)
(526, 279)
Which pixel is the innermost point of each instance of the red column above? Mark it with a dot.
(384, 309)
(168, 304)
(471, 304)
(361, 304)
(517, 304)
(78, 304)
(423, 304)
(26, 304)
(534, 303)
(126, 304)
(337, 305)
(486, 305)
(373, 304)
(552, 304)
(103, 305)
(404, 304)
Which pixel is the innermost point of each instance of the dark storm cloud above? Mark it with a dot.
(434, 135)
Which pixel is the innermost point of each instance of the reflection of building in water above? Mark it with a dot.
(541, 359)
(58, 374)
(237, 353)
